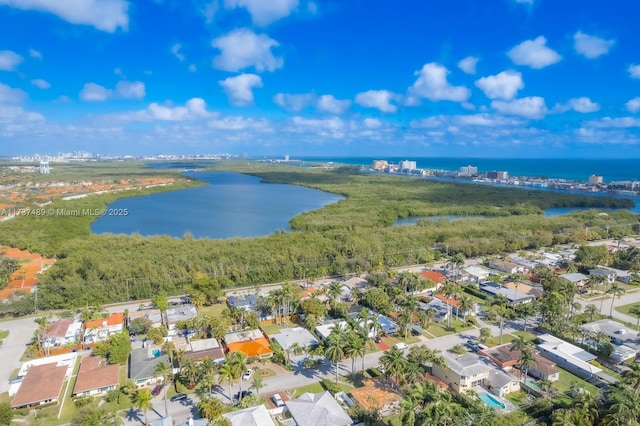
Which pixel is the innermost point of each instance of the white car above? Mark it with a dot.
(247, 375)
(277, 399)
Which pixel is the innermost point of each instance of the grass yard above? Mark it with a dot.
(506, 338)
(272, 329)
(567, 380)
(213, 310)
(442, 329)
(525, 334)
(624, 309)
(313, 388)
(4, 334)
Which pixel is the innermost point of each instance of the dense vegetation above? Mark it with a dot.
(352, 235)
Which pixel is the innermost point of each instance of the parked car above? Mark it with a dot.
(245, 393)
(415, 332)
(378, 339)
(157, 389)
(247, 375)
(277, 399)
(179, 397)
(401, 345)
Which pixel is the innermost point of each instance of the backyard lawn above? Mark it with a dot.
(272, 329)
(213, 310)
(567, 380)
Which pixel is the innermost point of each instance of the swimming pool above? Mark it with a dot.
(491, 401)
(156, 353)
(533, 385)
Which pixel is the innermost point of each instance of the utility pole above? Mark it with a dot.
(36, 299)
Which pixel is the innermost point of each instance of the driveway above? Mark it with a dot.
(20, 334)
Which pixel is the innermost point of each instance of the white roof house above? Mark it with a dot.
(568, 356)
(575, 278)
(624, 339)
(252, 416)
(289, 336)
(318, 409)
(324, 330)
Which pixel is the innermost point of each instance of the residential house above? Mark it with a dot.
(625, 340)
(437, 308)
(568, 356)
(476, 273)
(199, 349)
(62, 332)
(464, 372)
(289, 337)
(252, 343)
(513, 296)
(153, 315)
(378, 395)
(507, 359)
(505, 266)
(455, 306)
(523, 263)
(575, 278)
(323, 331)
(317, 409)
(608, 274)
(99, 330)
(95, 377)
(143, 362)
(43, 380)
(252, 416)
(177, 314)
(248, 303)
(435, 277)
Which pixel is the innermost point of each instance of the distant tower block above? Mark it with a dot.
(44, 168)
(595, 179)
(286, 157)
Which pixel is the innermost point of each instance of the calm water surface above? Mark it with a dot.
(232, 205)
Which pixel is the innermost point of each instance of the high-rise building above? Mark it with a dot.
(468, 170)
(379, 164)
(44, 167)
(498, 175)
(407, 165)
(595, 179)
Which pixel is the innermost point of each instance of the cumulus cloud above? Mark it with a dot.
(9, 60)
(242, 48)
(468, 64)
(10, 95)
(619, 122)
(239, 89)
(633, 105)
(583, 105)
(432, 84)
(264, 12)
(591, 46)
(380, 99)
(534, 53)
(634, 71)
(41, 84)
(532, 107)
(35, 54)
(194, 109)
(175, 50)
(504, 85)
(130, 90)
(93, 92)
(294, 102)
(104, 15)
(329, 104)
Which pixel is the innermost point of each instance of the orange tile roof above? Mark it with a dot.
(434, 276)
(257, 347)
(451, 301)
(114, 319)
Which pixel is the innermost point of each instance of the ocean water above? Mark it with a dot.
(570, 169)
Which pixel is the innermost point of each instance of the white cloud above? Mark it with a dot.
(633, 105)
(35, 54)
(194, 109)
(583, 105)
(242, 48)
(634, 71)
(432, 84)
(591, 46)
(175, 50)
(372, 123)
(10, 95)
(530, 107)
(534, 53)
(104, 15)
(94, 92)
(504, 85)
(380, 99)
(9, 60)
(130, 90)
(328, 103)
(264, 12)
(41, 84)
(239, 89)
(620, 122)
(468, 64)
(294, 102)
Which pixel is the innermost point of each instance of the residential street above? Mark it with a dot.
(20, 334)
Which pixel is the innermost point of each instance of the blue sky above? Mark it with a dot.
(455, 78)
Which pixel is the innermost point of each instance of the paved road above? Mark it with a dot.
(605, 302)
(20, 334)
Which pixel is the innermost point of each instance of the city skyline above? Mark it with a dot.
(522, 79)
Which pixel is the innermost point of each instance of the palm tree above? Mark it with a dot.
(257, 383)
(465, 304)
(238, 361)
(562, 417)
(190, 372)
(425, 393)
(526, 361)
(394, 362)
(591, 310)
(352, 348)
(616, 291)
(334, 349)
(499, 304)
(142, 400)
(623, 406)
(449, 291)
(164, 370)
(226, 372)
(526, 310)
(635, 311)
(334, 291)
(408, 407)
(211, 409)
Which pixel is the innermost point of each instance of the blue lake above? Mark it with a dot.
(231, 205)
